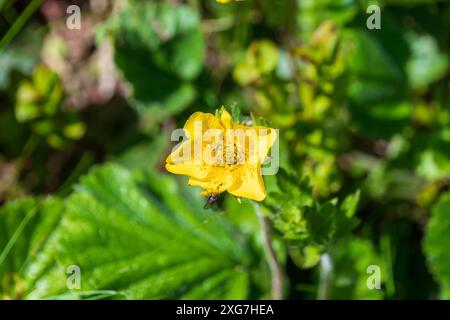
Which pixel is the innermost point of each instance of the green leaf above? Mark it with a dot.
(436, 241)
(411, 2)
(351, 259)
(427, 63)
(310, 226)
(160, 49)
(345, 218)
(433, 164)
(260, 58)
(129, 235)
(433, 154)
(312, 13)
(373, 67)
(350, 204)
(377, 79)
(27, 228)
(38, 102)
(322, 225)
(89, 295)
(22, 55)
(236, 113)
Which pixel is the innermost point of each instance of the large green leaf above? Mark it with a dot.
(27, 228)
(377, 80)
(436, 242)
(142, 236)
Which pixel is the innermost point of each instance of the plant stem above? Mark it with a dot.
(15, 236)
(326, 270)
(275, 268)
(27, 150)
(19, 23)
(2, 4)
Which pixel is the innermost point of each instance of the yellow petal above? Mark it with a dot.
(266, 139)
(217, 181)
(248, 183)
(178, 164)
(225, 118)
(187, 169)
(262, 140)
(200, 122)
(241, 178)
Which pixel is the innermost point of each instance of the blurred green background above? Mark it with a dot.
(85, 123)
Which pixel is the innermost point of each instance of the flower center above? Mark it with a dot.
(230, 155)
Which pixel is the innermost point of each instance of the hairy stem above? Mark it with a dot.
(275, 268)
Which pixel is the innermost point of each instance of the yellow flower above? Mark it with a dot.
(221, 155)
(226, 1)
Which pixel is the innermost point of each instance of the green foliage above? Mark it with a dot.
(17, 57)
(39, 102)
(159, 62)
(260, 58)
(435, 244)
(129, 238)
(427, 64)
(356, 109)
(145, 155)
(351, 258)
(40, 97)
(26, 249)
(376, 88)
(309, 225)
(243, 215)
(313, 13)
